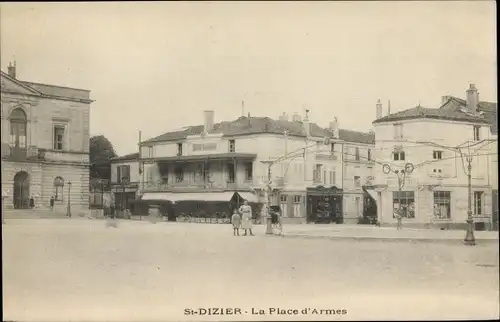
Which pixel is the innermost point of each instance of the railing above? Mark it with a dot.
(31, 153)
(164, 186)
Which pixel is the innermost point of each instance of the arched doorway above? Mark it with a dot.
(21, 190)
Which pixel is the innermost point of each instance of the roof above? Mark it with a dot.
(217, 156)
(420, 112)
(489, 110)
(59, 91)
(53, 91)
(260, 125)
(127, 157)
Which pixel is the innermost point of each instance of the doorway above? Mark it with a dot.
(21, 190)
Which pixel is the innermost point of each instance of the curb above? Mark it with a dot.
(392, 239)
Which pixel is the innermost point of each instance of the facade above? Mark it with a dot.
(125, 179)
(436, 192)
(45, 144)
(214, 161)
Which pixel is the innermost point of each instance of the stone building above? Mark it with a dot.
(125, 179)
(436, 192)
(45, 143)
(213, 161)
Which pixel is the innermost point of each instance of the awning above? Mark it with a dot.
(193, 196)
(248, 196)
(372, 194)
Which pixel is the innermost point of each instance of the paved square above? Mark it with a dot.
(81, 270)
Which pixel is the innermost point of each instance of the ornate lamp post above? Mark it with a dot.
(269, 227)
(401, 175)
(469, 240)
(124, 182)
(69, 199)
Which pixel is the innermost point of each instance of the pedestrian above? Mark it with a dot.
(32, 202)
(246, 217)
(399, 219)
(236, 221)
(52, 203)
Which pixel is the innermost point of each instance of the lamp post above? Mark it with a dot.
(124, 182)
(469, 240)
(269, 227)
(401, 175)
(69, 199)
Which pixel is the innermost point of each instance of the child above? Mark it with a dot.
(236, 221)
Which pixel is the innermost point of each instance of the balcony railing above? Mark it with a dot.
(186, 185)
(31, 153)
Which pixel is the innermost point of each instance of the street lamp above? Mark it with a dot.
(69, 199)
(401, 175)
(269, 227)
(469, 240)
(124, 182)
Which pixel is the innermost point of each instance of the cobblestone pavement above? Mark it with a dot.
(84, 270)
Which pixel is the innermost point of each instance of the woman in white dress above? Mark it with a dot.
(246, 218)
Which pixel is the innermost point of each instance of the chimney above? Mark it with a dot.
(389, 107)
(296, 118)
(472, 98)
(208, 121)
(334, 128)
(11, 70)
(379, 109)
(306, 124)
(444, 99)
(283, 117)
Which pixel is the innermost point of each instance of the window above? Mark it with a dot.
(122, 173)
(283, 198)
(230, 172)
(58, 137)
(332, 147)
(369, 154)
(442, 201)
(357, 181)
(179, 149)
(404, 203)
(179, 174)
(332, 177)
(59, 188)
(477, 136)
(357, 204)
(398, 131)
(317, 172)
(283, 205)
(150, 152)
(357, 154)
(248, 171)
(478, 198)
(232, 146)
(437, 155)
(18, 128)
(399, 155)
(297, 199)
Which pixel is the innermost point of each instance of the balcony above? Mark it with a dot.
(326, 157)
(17, 154)
(186, 186)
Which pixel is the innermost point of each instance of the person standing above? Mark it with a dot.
(246, 218)
(52, 200)
(32, 202)
(236, 221)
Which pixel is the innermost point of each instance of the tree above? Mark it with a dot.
(101, 152)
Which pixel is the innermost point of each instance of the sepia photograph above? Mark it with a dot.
(249, 161)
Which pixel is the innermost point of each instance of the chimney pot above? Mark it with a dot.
(378, 109)
(472, 99)
(11, 70)
(208, 118)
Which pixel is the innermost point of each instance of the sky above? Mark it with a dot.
(156, 66)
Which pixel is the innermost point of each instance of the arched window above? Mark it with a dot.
(59, 188)
(18, 128)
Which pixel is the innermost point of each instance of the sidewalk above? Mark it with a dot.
(368, 232)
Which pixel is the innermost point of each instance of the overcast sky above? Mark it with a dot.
(156, 66)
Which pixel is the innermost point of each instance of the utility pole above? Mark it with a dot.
(269, 227)
(469, 240)
(69, 199)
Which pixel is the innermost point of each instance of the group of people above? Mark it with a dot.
(242, 218)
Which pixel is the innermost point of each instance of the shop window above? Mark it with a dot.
(442, 202)
(404, 203)
(478, 202)
(59, 188)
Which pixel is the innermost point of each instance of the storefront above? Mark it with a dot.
(324, 205)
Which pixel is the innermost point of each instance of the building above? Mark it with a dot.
(45, 143)
(230, 161)
(436, 192)
(125, 179)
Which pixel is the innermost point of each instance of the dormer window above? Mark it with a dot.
(232, 146)
(179, 149)
(398, 131)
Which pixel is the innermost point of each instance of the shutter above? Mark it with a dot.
(127, 168)
(324, 177)
(118, 174)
